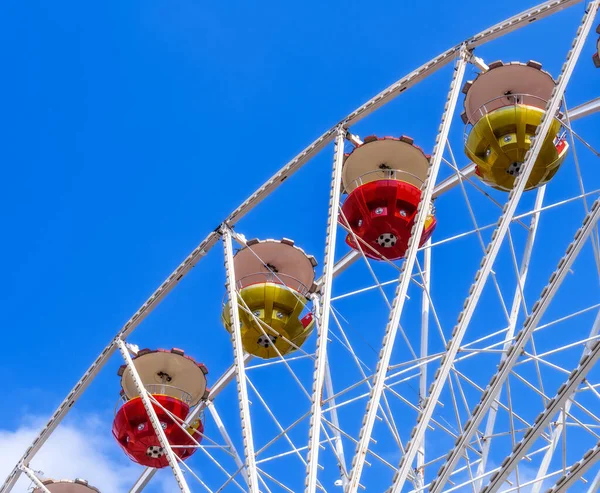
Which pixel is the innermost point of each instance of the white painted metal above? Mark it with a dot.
(314, 434)
(566, 390)
(559, 428)
(516, 22)
(584, 109)
(479, 63)
(454, 180)
(511, 24)
(219, 385)
(516, 347)
(514, 313)
(424, 352)
(219, 422)
(160, 433)
(239, 364)
(407, 267)
(543, 10)
(486, 267)
(339, 446)
(595, 484)
(577, 470)
(108, 351)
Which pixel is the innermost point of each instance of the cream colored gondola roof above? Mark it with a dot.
(67, 486)
(257, 261)
(362, 165)
(173, 368)
(485, 93)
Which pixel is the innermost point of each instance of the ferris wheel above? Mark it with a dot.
(447, 340)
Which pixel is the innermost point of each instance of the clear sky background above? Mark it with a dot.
(131, 129)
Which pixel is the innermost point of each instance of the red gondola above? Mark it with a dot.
(383, 179)
(177, 383)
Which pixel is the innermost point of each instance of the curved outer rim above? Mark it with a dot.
(506, 26)
(175, 351)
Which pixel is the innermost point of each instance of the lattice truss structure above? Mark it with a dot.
(405, 384)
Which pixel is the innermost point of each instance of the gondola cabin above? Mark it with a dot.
(274, 280)
(503, 109)
(177, 383)
(596, 56)
(383, 179)
(67, 486)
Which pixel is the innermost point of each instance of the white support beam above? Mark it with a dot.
(154, 421)
(33, 476)
(564, 393)
(584, 109)
(314, 433)
(226, 378)
(424, 353)
(454, 180)
(576, 471)
(511, 24)
(391, 329)
(355, 140)
(66, 405)
(559, 428)
(518, 21)
(479, 63)
(486, 266)
(513, 353)
(335, 429)
(215, 390)
(239, 364)
(512, 324)
(441, 188)
(595, 485)
(219, 422)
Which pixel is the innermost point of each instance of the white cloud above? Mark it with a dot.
(83, 448)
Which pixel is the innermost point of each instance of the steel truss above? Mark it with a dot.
(325, 403)
(492, 250)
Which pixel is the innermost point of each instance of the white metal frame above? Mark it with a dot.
(415, 446)
(33, 476)
(314, 434)
(148, 406)
(404, 280)
(240, 367)
(556, 403)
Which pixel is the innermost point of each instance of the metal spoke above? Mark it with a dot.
(323, 399)
(31, 475)
(160, 433)
(407, 268)
(560, 427)
(491, 252)
(514, 313)
(556, 403)
(239, 364)
(314, 434)
(577, 470)
(517, 345)
(424, 353)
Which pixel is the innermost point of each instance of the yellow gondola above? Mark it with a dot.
(504, 107)
(274, 319)
(274, 280)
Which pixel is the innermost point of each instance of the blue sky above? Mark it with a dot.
(131, 129)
